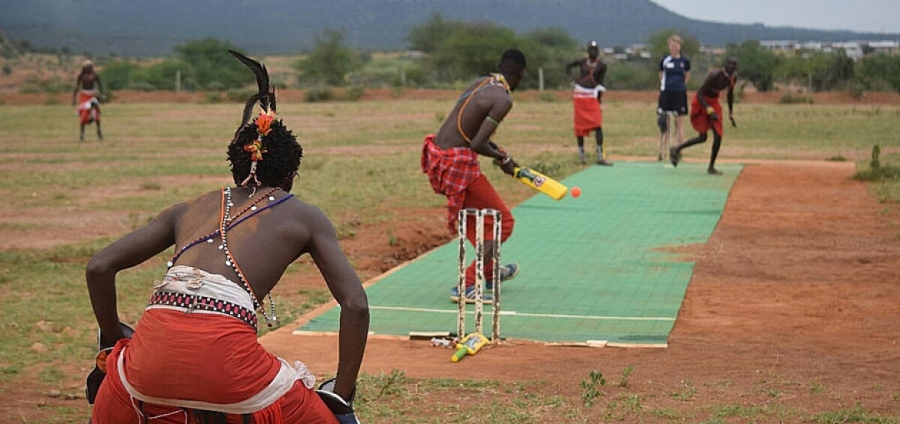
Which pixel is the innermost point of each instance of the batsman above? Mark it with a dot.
(450, 159)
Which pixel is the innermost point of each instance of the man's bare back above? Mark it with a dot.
(294, 226)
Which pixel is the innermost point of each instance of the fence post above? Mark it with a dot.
(541, 79)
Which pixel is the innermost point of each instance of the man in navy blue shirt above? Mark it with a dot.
(674, 74)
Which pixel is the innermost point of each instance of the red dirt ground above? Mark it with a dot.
(793, 300)
(796, 290)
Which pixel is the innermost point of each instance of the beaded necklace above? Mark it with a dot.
(227, 221)
(209, 237)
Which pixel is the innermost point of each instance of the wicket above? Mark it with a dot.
(479, 271)
(671, 132)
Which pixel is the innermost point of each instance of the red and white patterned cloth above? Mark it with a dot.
(450, 173)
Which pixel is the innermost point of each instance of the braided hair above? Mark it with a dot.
(281, 160)
(268, 157)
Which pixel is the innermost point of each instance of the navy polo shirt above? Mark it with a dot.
(673, 73)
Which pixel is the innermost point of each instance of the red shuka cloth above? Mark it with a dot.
(450, 173)
(700, 120)
(86, 112)
(200, 357)
(588, 114)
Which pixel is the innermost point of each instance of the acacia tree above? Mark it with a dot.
(330, 61)
(880, 68)
(756, 64)
(209, 65)
(821, 71)
(472, 50)
(548, 49)
(429, 36)
(658, 45)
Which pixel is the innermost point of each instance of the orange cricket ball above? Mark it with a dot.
(576, 191)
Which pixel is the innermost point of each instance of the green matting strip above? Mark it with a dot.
(593, 268)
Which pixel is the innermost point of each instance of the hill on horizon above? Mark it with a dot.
(153, 28)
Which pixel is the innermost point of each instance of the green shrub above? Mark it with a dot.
(415, 75)
(319, 94)
(215, 86)
(547, 164)
(118, 75)
(547, 96)
(141, 86)
(354, 93)
(631, 76)
(882, 173)
(240, 94)
(789, 98)
(213, 97)
(162, 74)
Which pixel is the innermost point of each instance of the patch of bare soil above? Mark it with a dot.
(793, 302)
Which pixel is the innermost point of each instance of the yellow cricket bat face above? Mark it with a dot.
(541, 182)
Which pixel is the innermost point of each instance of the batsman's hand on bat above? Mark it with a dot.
(342, 409)
(507, 164)
(712, 113)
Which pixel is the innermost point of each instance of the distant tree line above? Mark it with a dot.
(449, 53)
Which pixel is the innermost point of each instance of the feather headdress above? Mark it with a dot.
(266, 99)
(266, 94)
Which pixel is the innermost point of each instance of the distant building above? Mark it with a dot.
(854, 49)
(887, 47)
(780, 45)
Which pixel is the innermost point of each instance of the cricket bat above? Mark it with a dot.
(540, 182)
(470, 345)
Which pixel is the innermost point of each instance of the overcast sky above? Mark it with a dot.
(856, 15)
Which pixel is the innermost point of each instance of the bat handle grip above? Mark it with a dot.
(523, 173)
(461, 351)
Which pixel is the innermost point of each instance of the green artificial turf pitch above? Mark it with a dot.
(593, 268)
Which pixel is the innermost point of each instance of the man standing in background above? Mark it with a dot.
(674, 74)
(87, 89)
(587, 99)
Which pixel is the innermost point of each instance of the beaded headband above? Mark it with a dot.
(266, 99)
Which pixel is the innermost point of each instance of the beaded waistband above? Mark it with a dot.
(191, 302)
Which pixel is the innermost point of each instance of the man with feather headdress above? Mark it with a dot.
(194, 356)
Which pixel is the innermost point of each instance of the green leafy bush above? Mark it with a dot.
(318, 94)
(354, 93)
(789, 98)
(118, 75)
